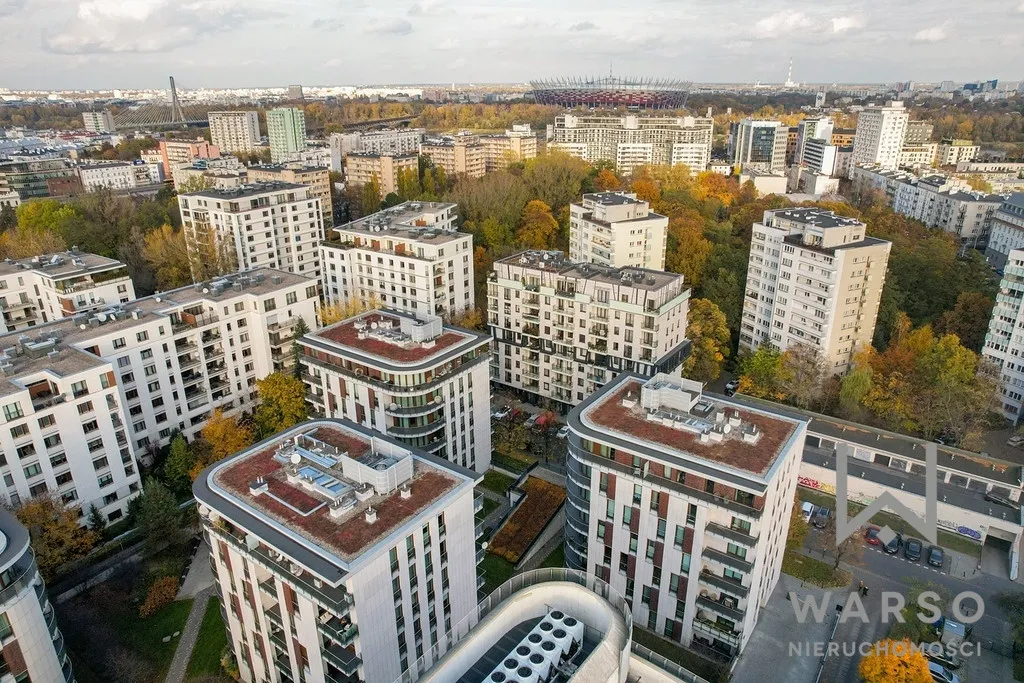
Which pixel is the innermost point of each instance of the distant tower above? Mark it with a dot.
(177, 115)
(789, 75)
(819, 98)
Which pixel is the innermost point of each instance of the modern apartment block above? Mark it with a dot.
(952, 152)
(52, 286)
(286, 130)
(316, 178)
(918, 156)
(616, 229)
(918, 133)
(174, 152)
(758, 145)
(843, 137)
(459, 155)
(410, 258)
(1007, 230)
(681, 502)
(339, 553)
(412, 378)
(98, 121)
(811, 129)
(563, 329)
(632, 140)
(1003, 345)
(814, 279)
(819, 156)
(34, 647)
(235, 131)
(362, 167)
(39, 178)
(271, 225)
(880, 134)
(111, 175)
(392, 141)
(221, 173)
(517, 144)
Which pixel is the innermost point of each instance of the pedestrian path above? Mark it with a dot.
(187, 642)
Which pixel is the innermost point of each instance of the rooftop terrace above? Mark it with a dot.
(61, 264)
(409, 220)
(816, 217)
(558, 262)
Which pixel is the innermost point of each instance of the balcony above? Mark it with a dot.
(268, 588)
(342, 632)
(342, 657)
(722, 583)
(719, 607)
(417, 430)
(277, 638)
(274, 615)
(192, 321)
(716, 630)
(727, 559)
(731, 534)
(412, 411)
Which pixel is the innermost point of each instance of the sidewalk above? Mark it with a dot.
(176, 674)
(200, 574)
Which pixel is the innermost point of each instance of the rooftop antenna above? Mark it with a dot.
(177, 115)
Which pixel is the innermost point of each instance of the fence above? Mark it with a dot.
(666, 664)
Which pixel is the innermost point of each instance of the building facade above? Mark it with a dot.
(362, 167)
(814, 279)
(459, 155)
(918, 156)
(235, 131)
(340, 554)
(515, 145)
(316, 178)
(174, 152)
(758, 145)
(952, 152)
(410, 257)
(1007, 230)
(811, 129)
(98, 121)
(616, 229)
(39, 178)
(563, 329)
(112, 175)
(412, 378)
(819, 156)
(880, 134)
(918, 133)
(286, 130)
(1003, 344)
(681, 502)
(393, 142)
(271, 225)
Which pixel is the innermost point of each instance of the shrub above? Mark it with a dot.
(160, 594)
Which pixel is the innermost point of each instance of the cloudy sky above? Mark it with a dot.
(238, 43)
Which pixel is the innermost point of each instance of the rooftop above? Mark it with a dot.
(558, 262)
(248, 190)
(409, 220)
(61, 265)
(816, 217)
(615, 198)
(375, 155)
(291, 166)
(673, 415)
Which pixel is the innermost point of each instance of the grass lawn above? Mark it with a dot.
(529, 519)
(814, 571)
(947, 540)
(688, 659)
(497, 482)
(212, 640)
(488, 507)
(512, 461)
(497, 570)
(145, 636)
(555, 559)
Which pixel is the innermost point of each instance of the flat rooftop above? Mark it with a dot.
(61, 265)
(376, 155)
(278, 168)
(816, 217)
(248, 190)
(409, 220)
(557, 261)
(612, 198)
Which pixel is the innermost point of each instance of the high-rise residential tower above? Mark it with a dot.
(286, 130)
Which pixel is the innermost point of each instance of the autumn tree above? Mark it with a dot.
(343, 310)
(225, 435)
(22, 242)
(607, 181)
(803, 375)
(369, 196)
(797, 527)
(55, 533)
(894, 661)
(167, 254)
(647, 189)
(282, 403)
(843, 550)
(556, 178)
(499, 197)
(469, 319)
(537, 227)
(708, 333)
(687, 249)
(407, 181)
(725, 289)
(498, 236)
(762, 374)
(968, 319)
(159, 517)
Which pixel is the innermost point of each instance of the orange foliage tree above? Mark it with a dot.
(894, 661)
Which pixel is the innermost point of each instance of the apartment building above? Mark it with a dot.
(918, 156)
(814, 279)
(174, 152)
(811, 129)
(112, 175)
(459, 155)
(221, 173)
(681, 501)
(98, 121)
(272, 225)
(758, 145)
(316, 178)
(235, 131)
(410, 377)
(616, 229)
(52, 286)
(819, 156)
(34, 647)
(391, 142)
(661, 140)
(339, 553)
(1003, 345)
(1007, 230)
(517, 144)
(286, 130)
(9, 199)
(880, 134)
(843, 137)
(410, 257)
(563, 329)
(918, 133)
(39, 178)
(362, 167)
(952, 152)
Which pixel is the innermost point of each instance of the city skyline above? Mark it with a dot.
(112, 44)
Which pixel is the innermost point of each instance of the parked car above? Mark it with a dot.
(807, 510)
(1015, 440)
(936, 556)
(912, 549)
(502, 412)
(820, 518)
(731, 386)
(563, 432)
(942, 674)
(935, 652)
(894, 545)
(871, 535)
(531, 421)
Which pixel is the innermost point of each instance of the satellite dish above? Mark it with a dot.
(296, 458)
(101, 317)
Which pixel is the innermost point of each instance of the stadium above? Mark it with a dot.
(611, 91)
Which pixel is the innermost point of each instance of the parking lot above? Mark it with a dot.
(546, 443)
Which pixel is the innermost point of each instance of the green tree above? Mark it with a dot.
(167, 253)
(725, 290)
(55, 533)
(687, 248)
(499, 237)
(282, 403)
(968, 320)
(195, 183)
(556, 178)
(301, 330)
(708, 333)
(369, 196)
(762, 374)
(179, 464)
(1012, 604)
(408, 182)
(797, 527)
(537, 228)
(97, 522)
(8, 217)
(159, 517)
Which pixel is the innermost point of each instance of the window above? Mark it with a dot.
(85, 407)
(100, 463)
(58, 459)
(737, 550)
(638, 492)
(604, 482)
(740, 525)
(119, 343)
(63, 478)
(19, 431)
(650, 550)
(627, 516)
(79, 389)
(51, 441)
(95, 445)
(609, 510)
(90, 426)
(662, 524)
(12, 411)
(33, 470)
(150, 370)
(655, 499)
(47, 421)
(269, 304)
(105, 480)
(646, 595)
(290, 298)
(691, 515)
(685, 565)
(142, 336)
(600, 532)
(634, 541)
(26, 451)
(732, 574)
(146, 354)
(680, 536)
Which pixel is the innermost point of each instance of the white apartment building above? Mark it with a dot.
(317, 178)
(918, 156)
(52, 286)
(880, 134)
(1004, 345)
(812, 129)
(632, 140)
(235, 131)
(819, 155)
(112, 175)
(98, 121)
(616, 229)
(563, 329)
(393, 142)
(271, 225)
(681, 501)
(758, 145)
(410, 258)
(339, 553)
(813, 279)
(11, 199)
(286, 131)
(34, 647)
(954, 152)
(517, 144)
(221, 173)
(1007, 230)
(412, 378)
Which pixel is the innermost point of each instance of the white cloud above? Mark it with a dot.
(327, 24)
(457, 63)
(934, 34)
(10, 7)
(429, 7)
(583, 26)
(1020, 8)
(844, 24)
(782, 23)
(449, 44)
(396, 26)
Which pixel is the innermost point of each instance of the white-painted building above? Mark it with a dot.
(98, 121)
(1004, 346)
(1007, 230)
(819, 156)
(616, 229)
(112, 175)
(235, 131)
(392, 142)
(11, 199)
(631, 139)
(339, 553)
(410, 257)
(812, 129)
(953, 152)
(880, 134)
